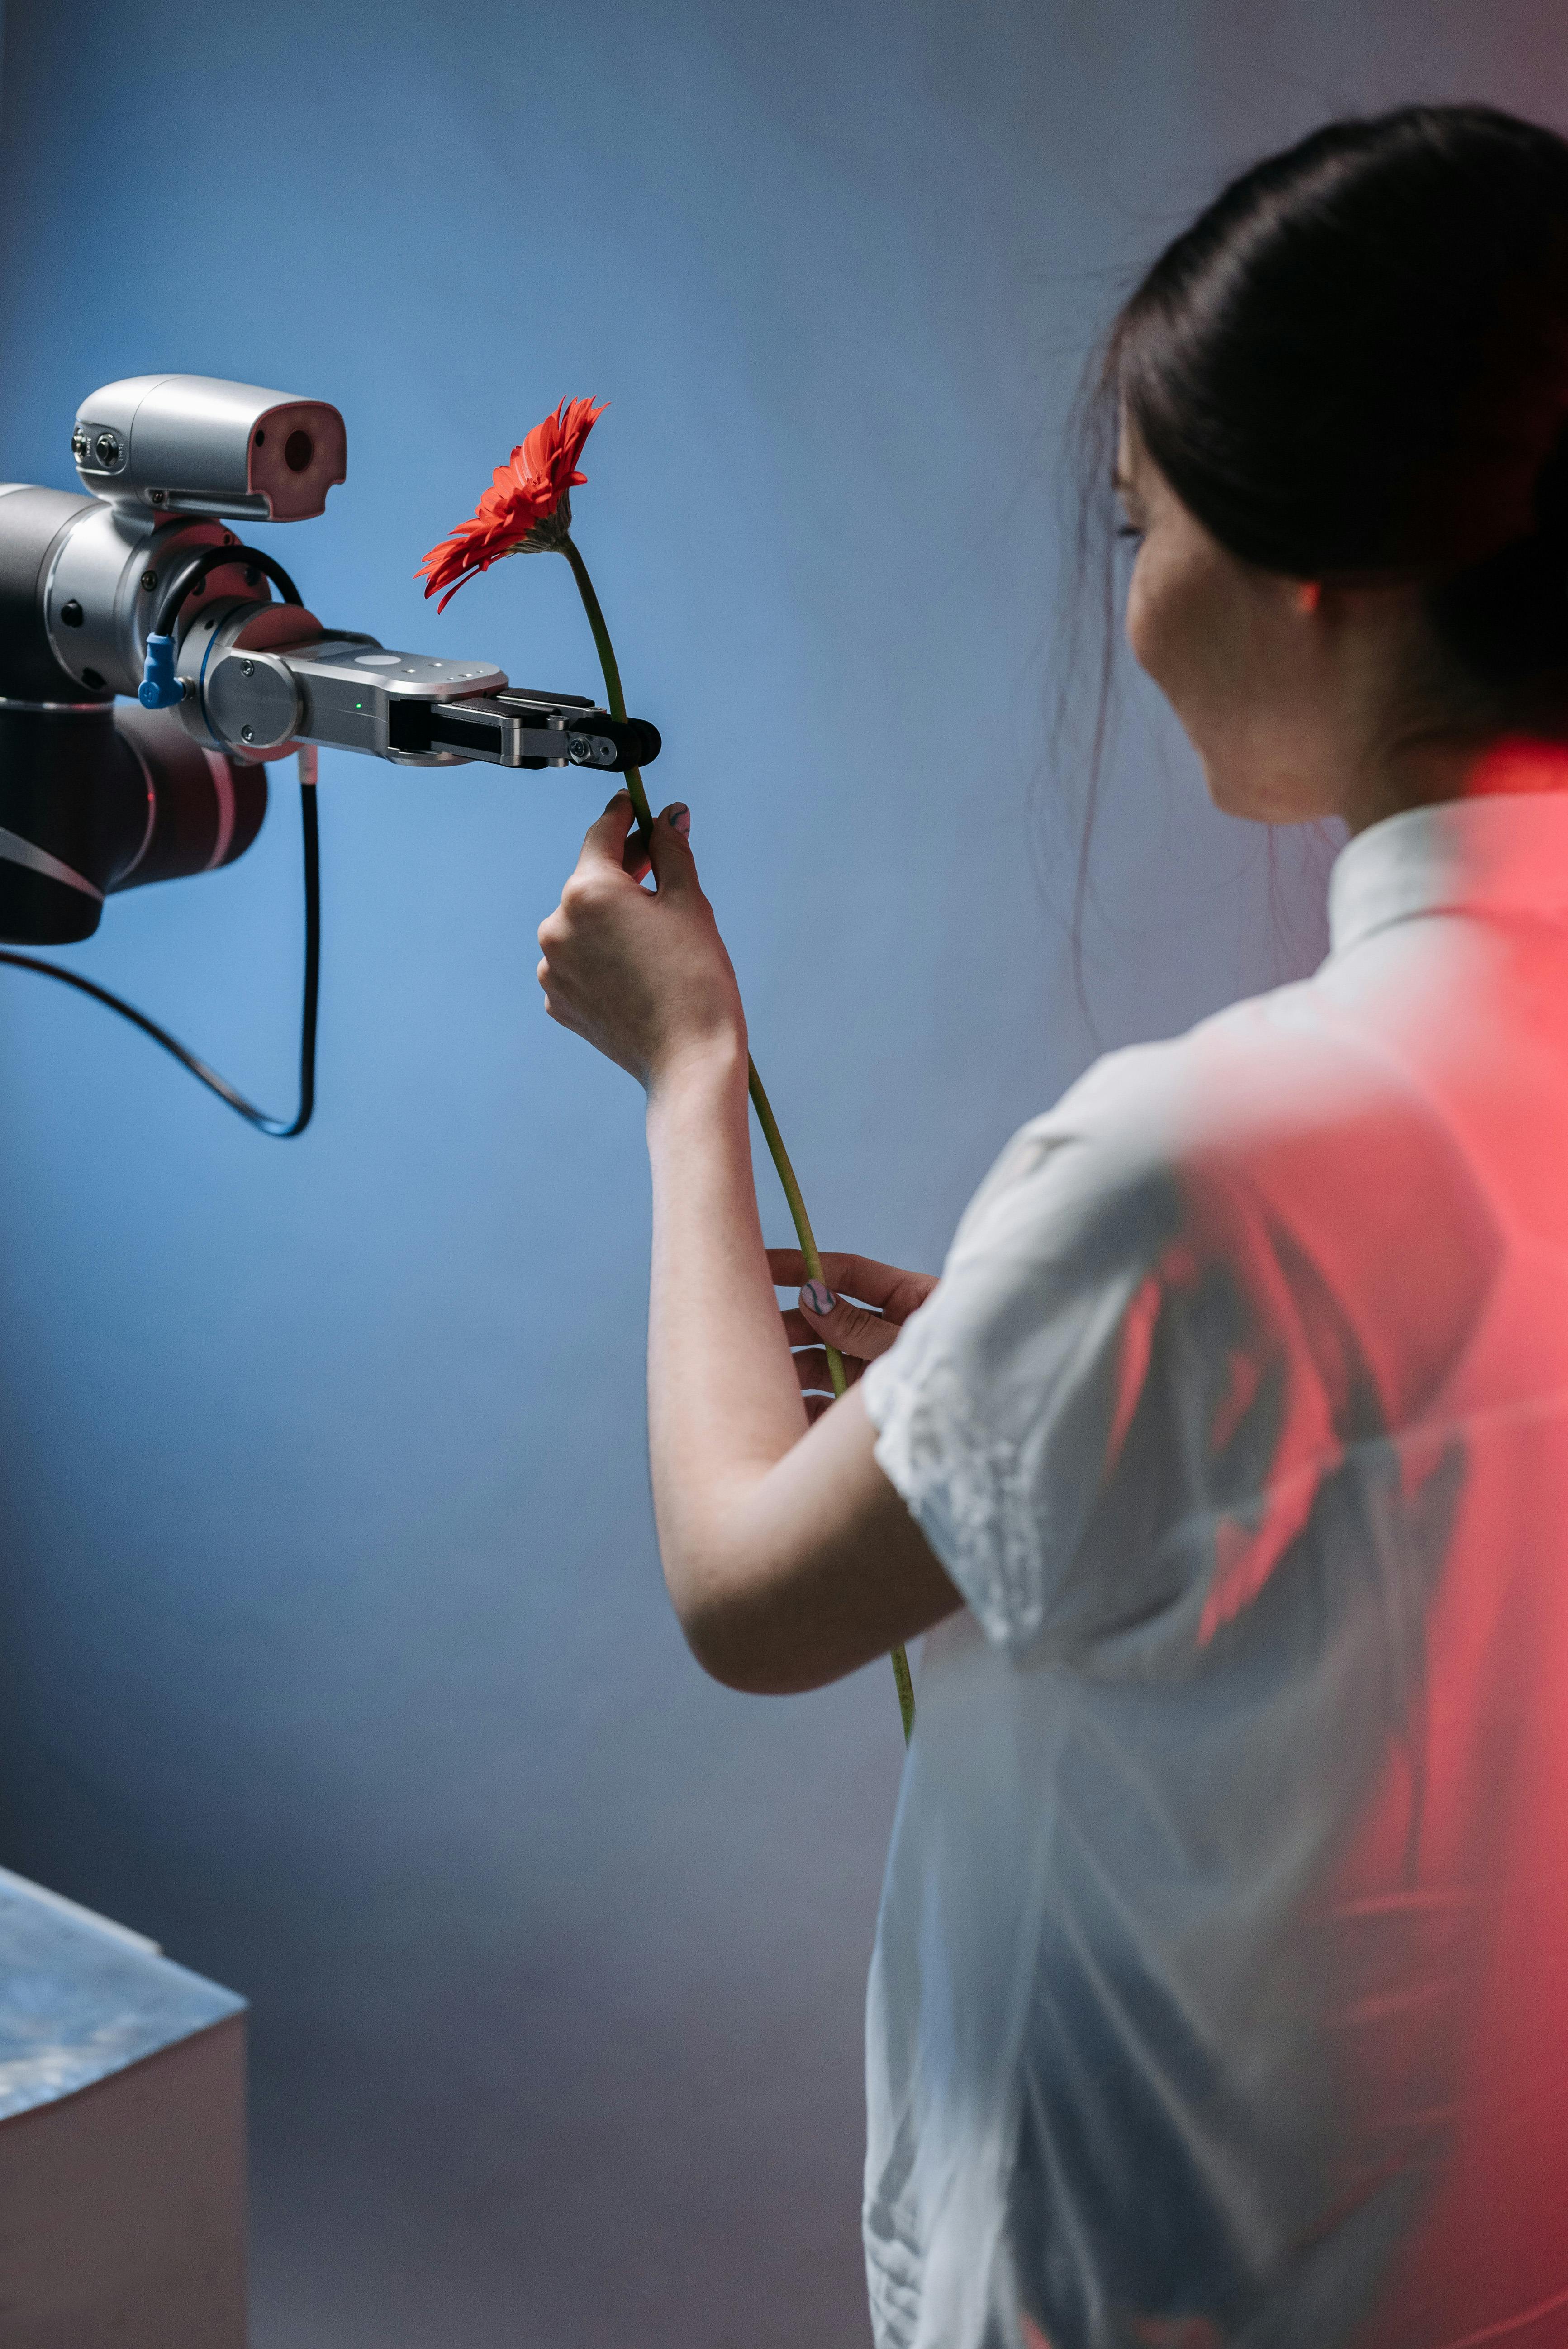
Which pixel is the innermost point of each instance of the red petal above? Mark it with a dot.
(523, 492)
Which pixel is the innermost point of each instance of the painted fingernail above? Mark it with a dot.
(818, 1298)
(680, 818)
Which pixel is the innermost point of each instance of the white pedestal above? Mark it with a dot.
(122, 2165)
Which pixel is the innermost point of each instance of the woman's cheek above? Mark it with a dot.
(1153, 627)
(1179, 628)
(1135, 624)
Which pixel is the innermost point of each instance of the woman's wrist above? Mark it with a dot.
(707, 1069)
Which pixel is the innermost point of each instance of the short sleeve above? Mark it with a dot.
(1108, 1420)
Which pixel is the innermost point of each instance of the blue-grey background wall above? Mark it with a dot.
(334, 1649)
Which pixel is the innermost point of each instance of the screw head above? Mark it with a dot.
(71, 614)
(148, 581)
(247, 733)
(247, 669)
(579, 750)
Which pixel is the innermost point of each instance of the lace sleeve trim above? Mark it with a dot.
(965, 1489)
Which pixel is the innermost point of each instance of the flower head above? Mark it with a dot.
(527, 509)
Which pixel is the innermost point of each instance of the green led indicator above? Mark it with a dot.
(359, 705)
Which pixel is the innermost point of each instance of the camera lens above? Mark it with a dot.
(298, 450)
(108, 449)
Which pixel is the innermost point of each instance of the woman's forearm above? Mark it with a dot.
(724, 1402)
(789, 1557)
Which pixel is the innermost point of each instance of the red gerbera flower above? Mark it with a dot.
(527, 509)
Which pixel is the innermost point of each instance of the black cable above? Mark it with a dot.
(281, 1129)
(217, 558)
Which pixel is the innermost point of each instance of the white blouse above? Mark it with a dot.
(1221, 1986)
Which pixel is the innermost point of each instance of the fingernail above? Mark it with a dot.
(614, 797)
(818, 1299)
(680, 817)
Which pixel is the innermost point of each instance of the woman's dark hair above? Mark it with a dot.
(1355, 361)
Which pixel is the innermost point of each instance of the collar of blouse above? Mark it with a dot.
(1499, 851)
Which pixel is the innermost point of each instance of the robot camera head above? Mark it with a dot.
(193, 444)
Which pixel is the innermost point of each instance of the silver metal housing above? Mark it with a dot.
(240, 695)
(193, 444)
(96, 608)
(351, 686)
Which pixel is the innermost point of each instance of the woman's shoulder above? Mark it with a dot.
(1256, 1098)
(1285, 1061)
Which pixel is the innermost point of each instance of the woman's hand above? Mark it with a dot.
(642, 975)
(823, 1318)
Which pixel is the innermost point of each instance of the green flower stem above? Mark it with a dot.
(759, 1100)
(611, 668)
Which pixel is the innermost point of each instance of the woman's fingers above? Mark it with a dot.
(608, 838)
(848, 1276)
(822, 1315)
(642, 974)
(634, 856)
(850, 1328)
(615, 838)
(797, 1329)
(890, 1287)
(669, 850)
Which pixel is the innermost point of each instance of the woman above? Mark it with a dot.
(1221, 1990)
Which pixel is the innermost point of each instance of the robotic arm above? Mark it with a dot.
(139, 588)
